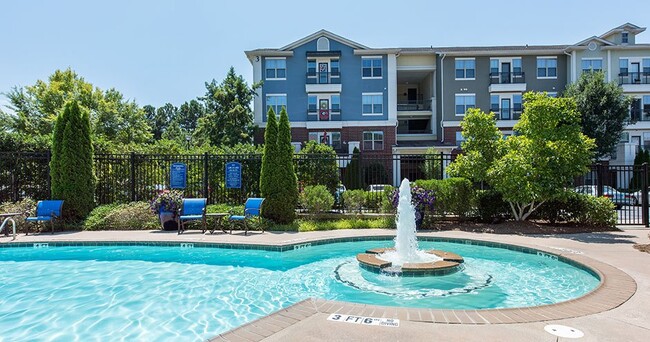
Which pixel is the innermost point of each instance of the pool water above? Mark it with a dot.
(171, 293)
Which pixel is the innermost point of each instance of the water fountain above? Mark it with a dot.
(405, 258)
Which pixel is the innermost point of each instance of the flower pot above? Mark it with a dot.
(168, 220)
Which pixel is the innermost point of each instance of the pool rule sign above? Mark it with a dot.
(233, 175)
(178, 176)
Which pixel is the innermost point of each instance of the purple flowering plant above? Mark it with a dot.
(167, 200)
(421, 198)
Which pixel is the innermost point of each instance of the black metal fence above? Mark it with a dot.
(138, 177)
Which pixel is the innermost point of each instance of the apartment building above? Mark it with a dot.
(406, 100)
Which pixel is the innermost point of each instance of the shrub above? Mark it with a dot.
(130, 216)
(316, 199)
(491, 206)
(225, 208)
(454, 196)
(26, 207)
(72, 176)
(352, 176)
(598, 212)
(317, 166)
(386, 204)
(579, 208)
(432, 166)
(354, 199)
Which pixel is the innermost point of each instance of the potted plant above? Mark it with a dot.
(166, 205)
(421, 199)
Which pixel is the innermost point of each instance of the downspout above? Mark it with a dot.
(570, 75)
(442, 97)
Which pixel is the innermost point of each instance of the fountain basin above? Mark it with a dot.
(450, 263)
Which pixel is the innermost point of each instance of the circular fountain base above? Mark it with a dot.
(449, 264)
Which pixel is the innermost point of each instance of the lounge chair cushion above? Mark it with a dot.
(38, 218)
(237, 217)
(191, 217)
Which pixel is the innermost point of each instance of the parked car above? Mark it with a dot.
(377, 187)
(338, 194)
(637, 197)
(619, 198)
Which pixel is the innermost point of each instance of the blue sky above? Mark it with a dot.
(163, 51)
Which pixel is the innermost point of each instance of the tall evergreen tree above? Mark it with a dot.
(73, 179)
(352, 179)
(285, 175)
(267, 188)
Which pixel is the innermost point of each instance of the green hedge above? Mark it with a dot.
(26, 207)
(316, 199)
(455, 196)
(130, 216)
(491, 207)
(578, 208)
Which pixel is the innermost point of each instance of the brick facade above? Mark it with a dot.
(347, 134)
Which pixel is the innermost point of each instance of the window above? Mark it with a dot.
(322, 44)
(547, 67)
(328, 138)
(592, 65)
(646, 105)
(276, 68)
(494, 103)
(494, 67)
(625, 37)
(311, 67)
(373, 104)
(336, 103)
(276, 102)
(623, 66)
(465, 69)
(625, 137)
(646, 65)
(334, 68)
(459, 138)
(373, 141)
(516, 66)
(464, 102)
(312, 106)
(371, 67)
(517, 102)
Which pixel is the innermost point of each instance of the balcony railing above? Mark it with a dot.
(323, 78)
(333, 115)
(634, 78)
(507, 77)
(413, 105)
(511, 113)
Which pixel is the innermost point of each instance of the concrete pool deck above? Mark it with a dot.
(619, 310)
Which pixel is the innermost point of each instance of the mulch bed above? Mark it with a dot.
(520, 228)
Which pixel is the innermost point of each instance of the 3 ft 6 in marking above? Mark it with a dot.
(383, 322)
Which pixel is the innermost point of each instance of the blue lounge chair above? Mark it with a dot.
(192, 209)
(252, 208)
(47, 210)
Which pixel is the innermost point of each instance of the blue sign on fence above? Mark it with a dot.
(178, 176)
(233, 175)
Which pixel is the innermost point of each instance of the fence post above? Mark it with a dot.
(206, 194)
(360, 173)
(599, 179)
(644, 195)
(133, 197)
(48, 181)
(442, 165)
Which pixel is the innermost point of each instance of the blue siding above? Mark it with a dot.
(352, 85)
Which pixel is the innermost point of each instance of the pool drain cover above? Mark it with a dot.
(563, 331)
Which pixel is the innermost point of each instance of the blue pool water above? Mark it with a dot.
(151, 293)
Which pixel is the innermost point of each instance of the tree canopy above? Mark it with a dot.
(604, 109)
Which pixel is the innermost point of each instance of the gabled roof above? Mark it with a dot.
(594, 38)
(323, 33)
(625, 27)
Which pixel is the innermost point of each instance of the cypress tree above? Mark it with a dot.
(285, 175)
(73, 179)
(267, 188)
(352, 178)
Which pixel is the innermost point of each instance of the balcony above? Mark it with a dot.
(414, 105)
(323, 82)
(507, 82)
(506, 113)
(634, 78)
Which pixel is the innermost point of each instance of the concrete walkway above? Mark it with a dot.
(307, 321)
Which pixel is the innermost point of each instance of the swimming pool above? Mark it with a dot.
(158, 292)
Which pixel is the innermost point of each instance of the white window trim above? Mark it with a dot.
(372, 77)
(383, 140)
(465, 59)
(277, 114)
(464, 95)
(556, 68)
(382, 104)
(285, 69)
